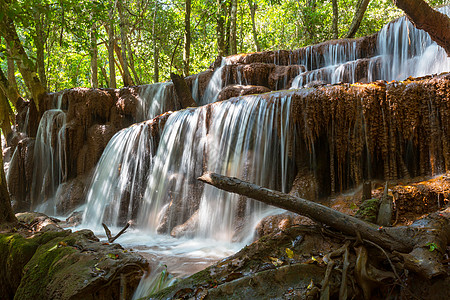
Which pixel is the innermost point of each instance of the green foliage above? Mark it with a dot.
(431, 246)
(64, 29)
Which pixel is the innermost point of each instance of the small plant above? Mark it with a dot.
(431, 246)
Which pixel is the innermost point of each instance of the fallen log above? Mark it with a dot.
(415, 239)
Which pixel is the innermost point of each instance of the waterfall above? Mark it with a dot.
(242, 138)
(153, 99)
(401, 51)
(118, 186)
(214, 86)
(49, 158)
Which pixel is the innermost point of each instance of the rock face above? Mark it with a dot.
(58, 264)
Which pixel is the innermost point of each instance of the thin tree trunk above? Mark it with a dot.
(112, 68)
(25, 65)
(11, 72)
(335, 19)
(131, 65)
(39, 40)
(127, 80)
(105, 75)
(94, 57)
(233, 26)
(187, 37)
(359, 14)
(220, 29)
(253, 7)
(155, 46)
(424, 17)
(10, 90)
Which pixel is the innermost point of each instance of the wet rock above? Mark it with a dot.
(27, 117)
(20, 175)
(187, 229)
(71, 194)
(74, 219)
(236, 90)
(305, 186)
(64, 265)
(282, 76)
(276, 223)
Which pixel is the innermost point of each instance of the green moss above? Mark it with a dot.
(368, 210)
(15, 252)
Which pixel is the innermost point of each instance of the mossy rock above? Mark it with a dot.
(368, 210)
(78, 266)
(15, 252)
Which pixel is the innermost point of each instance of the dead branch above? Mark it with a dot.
(108, 232)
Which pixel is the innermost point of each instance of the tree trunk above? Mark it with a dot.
(94, 57)
(127, 81)
(39, 41)
(233, 26)
(112, 68)
(25, 65)
(424, 17)
(187, 37)
(335, 19)
(220, 29)
(253, 7)
(7, 88)
(155, 46)
(5, 115)
(131, 65)
(359, 14)
(6, 212)
(183, 91)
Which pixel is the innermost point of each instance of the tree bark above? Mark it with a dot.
(187, 37)
(435, 23)
(39, 41)
(253, 7)
(112, 68)
(359, 14)
(127, 80)
(233, 26)
(183, 91)
(317, 212)
(155, 46)
(6, 212)
(5, 115)
(335, 19)
(220, 29)
(25, 65)
(94, 57)
(7, 88)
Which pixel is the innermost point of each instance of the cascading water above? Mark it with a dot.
(214, 86)
(49, 158)
(153, 99)
(402, 51)
(118, 183)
